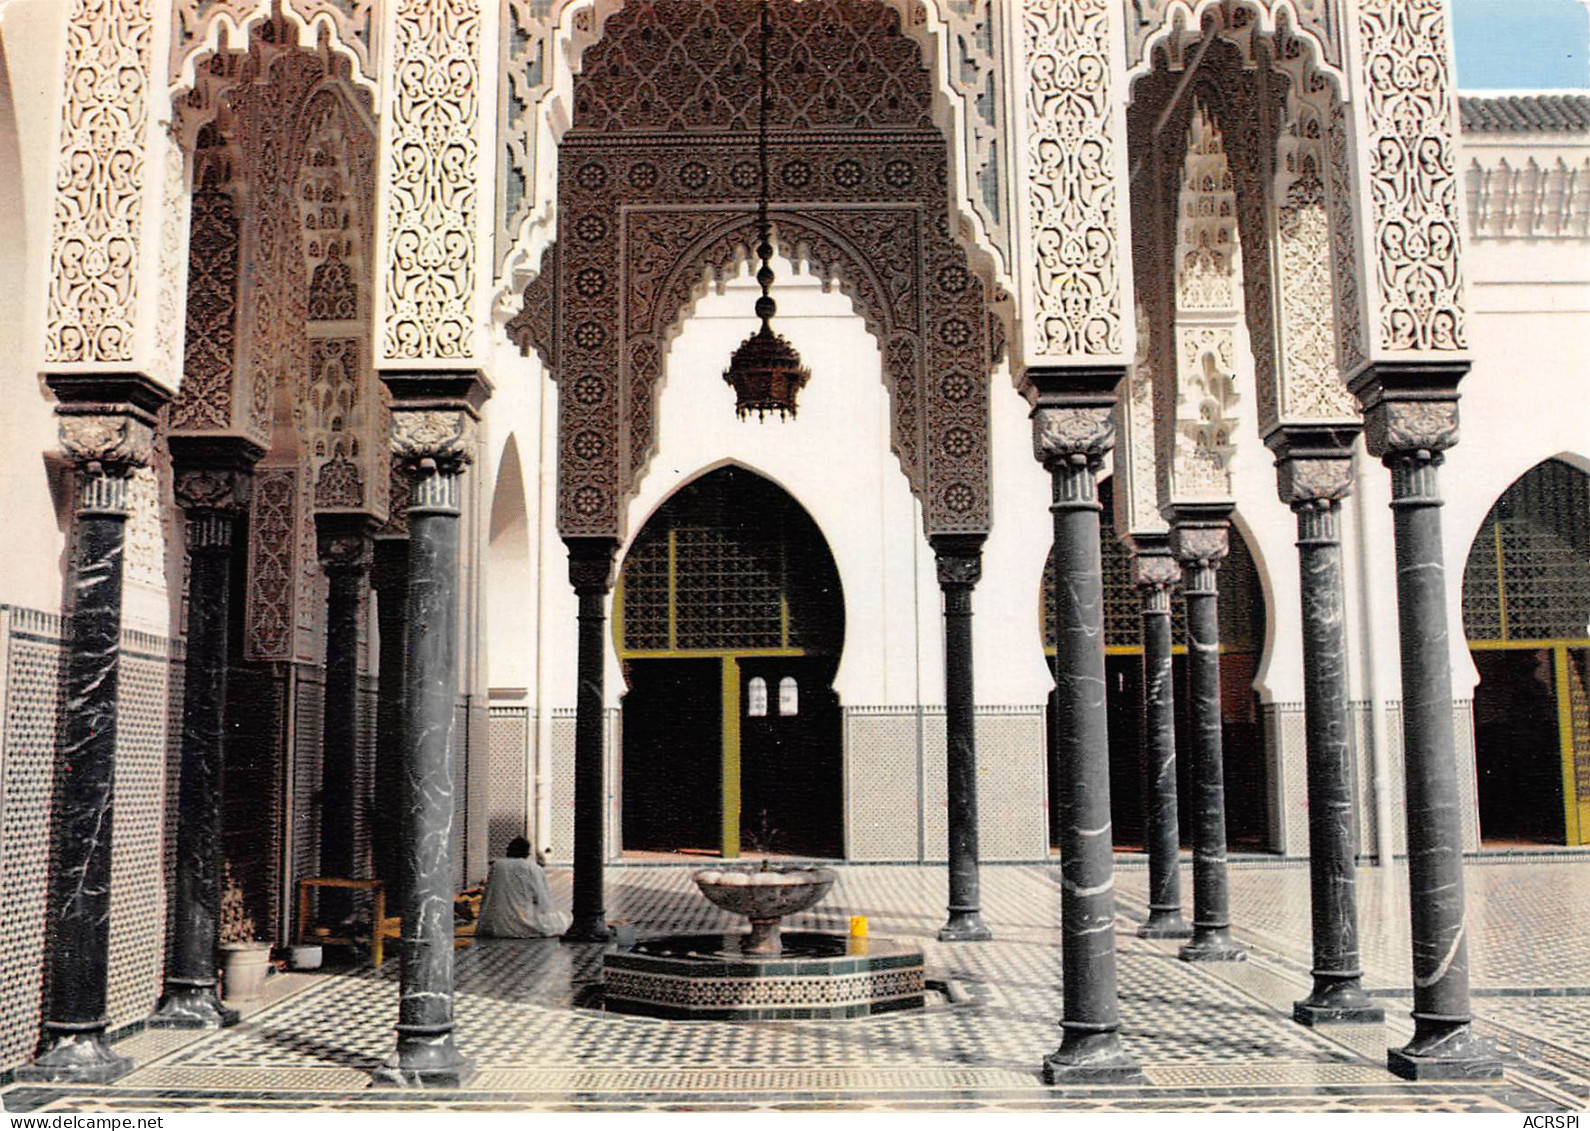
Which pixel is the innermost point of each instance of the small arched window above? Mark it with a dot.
(789, 696)
(756, 698)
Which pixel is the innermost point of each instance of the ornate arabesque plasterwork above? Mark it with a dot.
(1311, 387)
(174, 221)
(1207, 245)
(979, 68)
(273, 519)
(96, 251)
(1205, 411)
(962, 42)
(431, 176)
(1137, 493)
(1279, 111)
(346, 425)
(1188, 202)
(1174, 22)
(1073, 292)
(657, 185)
(1406, 101)
(200, 27)
(206, 400)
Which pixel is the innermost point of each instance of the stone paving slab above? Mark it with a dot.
(1208, 1038)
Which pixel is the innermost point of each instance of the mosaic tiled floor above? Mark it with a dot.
(1207, 1038)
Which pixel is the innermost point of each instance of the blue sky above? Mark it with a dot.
(1522, 44)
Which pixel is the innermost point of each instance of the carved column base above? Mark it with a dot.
(1165, 923)
(1212, 945)
(75, 1057)
(1444, 1051)
(424, 1059)
(1338, 999)
(192, 1005)
(965, 926)
(1091, 1058)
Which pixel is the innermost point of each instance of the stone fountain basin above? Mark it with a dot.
(763, 894)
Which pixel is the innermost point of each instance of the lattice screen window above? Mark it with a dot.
(730, 563)
(1528, 572)
(646, 594)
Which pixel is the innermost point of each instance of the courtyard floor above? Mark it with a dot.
(1208, 1037)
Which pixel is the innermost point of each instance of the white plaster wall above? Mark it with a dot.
(833, 458)
(33, 35)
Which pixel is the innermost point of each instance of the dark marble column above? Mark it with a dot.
(1315, 472)
(1155, 573)
(1410, 418)
(1073, 429)
(1199, 537)
(389, 577)
(591, 575)
(960, 565)
(433, 436)
(213, 482)
(343, 543)
(107, 431)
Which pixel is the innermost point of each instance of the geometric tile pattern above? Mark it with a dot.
(886, 805)
(138, 848)
(32, 685)
(509, 756)
(882, 775)
(149, 679)
(1207, 1039)
(1510, 906)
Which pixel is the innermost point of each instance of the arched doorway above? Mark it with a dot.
(1242, 629)
(1526, 612)
(729, 620)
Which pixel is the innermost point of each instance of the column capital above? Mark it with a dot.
(435, 414)
(1073, 415)
(1410, 407)
(213, 475)
(1200, 533)
(107, 420)
(1153, 564)
(959, 558)
(591, 564)
(1313, 462)
(343, 543)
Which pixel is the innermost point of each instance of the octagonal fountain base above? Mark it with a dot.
(706, 977)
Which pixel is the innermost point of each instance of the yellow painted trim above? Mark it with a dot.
(618, 613)
(731, 757)
(1524, 645)
(707, 653)
(1573, 832)
(1137, 650)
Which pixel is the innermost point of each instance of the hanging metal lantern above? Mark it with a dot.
(765, 371)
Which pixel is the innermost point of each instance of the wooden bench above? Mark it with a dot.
(384, 926)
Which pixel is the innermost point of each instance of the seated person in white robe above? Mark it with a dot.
(517, 903)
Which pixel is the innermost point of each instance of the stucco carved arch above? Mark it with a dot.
(553, 47)
(349, 30)
(659, 195)
(1278, 99)
(1178, 27)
